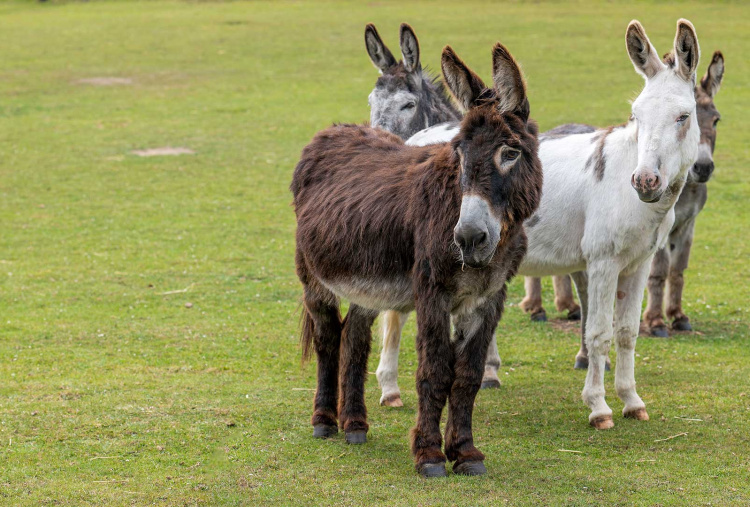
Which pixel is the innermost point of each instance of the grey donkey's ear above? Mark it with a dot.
(686, 50)
(641, 52)
(711, 82)
(463, 84)
(380, 55)
(508, 80)
(409, 48)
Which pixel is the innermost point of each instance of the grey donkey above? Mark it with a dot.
(406, 98)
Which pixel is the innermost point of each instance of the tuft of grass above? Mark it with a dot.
(148, 305)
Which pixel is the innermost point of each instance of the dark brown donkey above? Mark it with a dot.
(438, 229)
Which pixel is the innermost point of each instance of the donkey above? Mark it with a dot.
(671, 261)
(434, 229)
(406, 98)
(607, 234)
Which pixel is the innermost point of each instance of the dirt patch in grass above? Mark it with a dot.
(574, 326)
(106, 81)
(161, 152)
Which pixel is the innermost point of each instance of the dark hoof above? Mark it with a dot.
(660, 331)
(607, 365)
(682, 325)
(490, 384)
(470, 468)
(582, 363)
(356, 437)
(540, 316)
(430, 470)
(324, 430)
(575, 314)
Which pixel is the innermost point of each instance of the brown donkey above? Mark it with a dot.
(438, 229)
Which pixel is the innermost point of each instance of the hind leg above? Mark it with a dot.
(532, 302)
(564, 299)
(490, 380)
(582, 358)
(355, 347)
(654, 316)
(322, 326)
(387, 372)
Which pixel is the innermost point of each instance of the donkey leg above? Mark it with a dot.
(434, 379)
(387, 372)
(582, 358)
(602, 284)
(490, 380)
(355, 347)
(532, 302)
(683, 240)
(564, 299)
(472, 335)
(627, 323)
(653, 316)
(321, 325)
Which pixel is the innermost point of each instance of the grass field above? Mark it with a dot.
(149, 306)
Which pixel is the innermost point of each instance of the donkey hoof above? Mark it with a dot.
(607, 365)
(682, 324)
(393, 400)
(603, 422)
(638, 414)
(540, 316)
(356, 437)
(582, 363)
(430, 470)
(470, 468)
(324, 430)
(660, 331)
(575, 314)
(490, 384)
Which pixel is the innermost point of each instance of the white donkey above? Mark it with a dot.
(608, 205)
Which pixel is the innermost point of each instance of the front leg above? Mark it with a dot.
(434, 379)
(683, 240)
(473, 333)
(627, 323)
(654, 316)
(387, 373)
(602, 283)
(582, 358)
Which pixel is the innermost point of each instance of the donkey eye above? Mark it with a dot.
(407, 106)
(506, 158)
(682, 118)
(510, 155)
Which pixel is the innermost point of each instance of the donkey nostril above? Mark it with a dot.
(480, 238)
(656, 182)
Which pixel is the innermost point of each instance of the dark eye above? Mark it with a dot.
(408, 105)
(510, 155)
(716, 121)
(682, 118)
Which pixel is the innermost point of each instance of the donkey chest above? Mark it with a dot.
(474, 287)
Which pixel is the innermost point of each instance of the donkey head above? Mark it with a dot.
(665, 110)
(708, 118)
(397, 103)
(495, 154)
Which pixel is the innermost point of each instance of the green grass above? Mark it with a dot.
(113, 391)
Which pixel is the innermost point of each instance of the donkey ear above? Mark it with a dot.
(642, 53)
(714, 74)
(464, 85)
(380, 55)
(508, 80)
(686, 50)
(410, 48)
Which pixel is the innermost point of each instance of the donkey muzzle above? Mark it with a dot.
(477, 232)
(702, 170)
(648, 183)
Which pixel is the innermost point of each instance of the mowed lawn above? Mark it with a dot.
(149, 305)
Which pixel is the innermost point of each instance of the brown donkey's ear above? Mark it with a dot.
(642, 53)
(506, 74)
(464, 85)
(686, 50)
(380, 55)
(410, 48)
(714, 74)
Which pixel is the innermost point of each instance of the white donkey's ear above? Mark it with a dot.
(686, 50)
(508, 80)
(642, 53)
(711, 82)
(380, 55)
(409, 48)
(462, 82)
